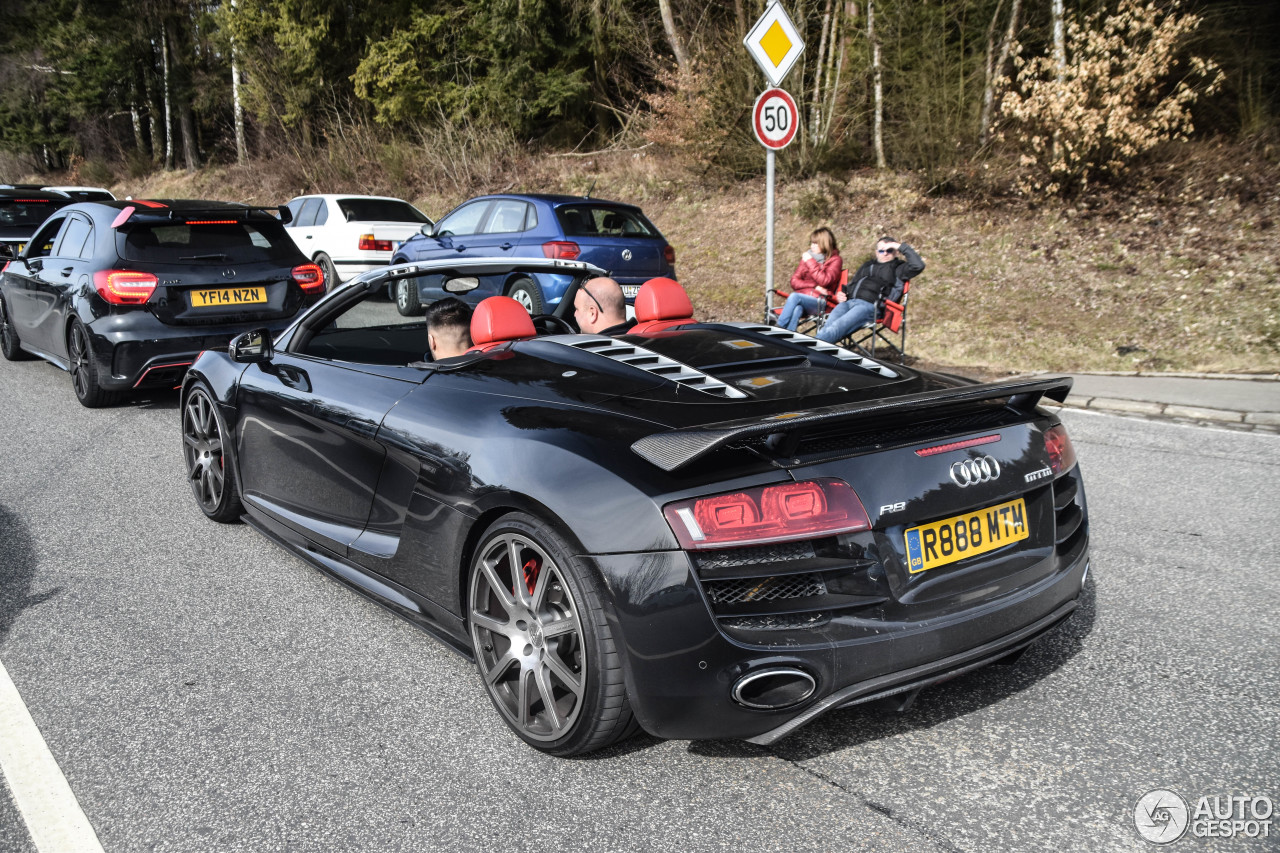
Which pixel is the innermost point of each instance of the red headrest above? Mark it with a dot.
(500, 318)
(662, 299)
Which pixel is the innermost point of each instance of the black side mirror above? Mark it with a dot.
(252, 347)
(35, 264)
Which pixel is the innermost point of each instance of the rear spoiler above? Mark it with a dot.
(677, 448)
(153, 212)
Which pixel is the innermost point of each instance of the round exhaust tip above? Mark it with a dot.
(771, 689)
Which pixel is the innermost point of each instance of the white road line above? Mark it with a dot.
(53, 816)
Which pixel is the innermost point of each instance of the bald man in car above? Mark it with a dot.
(601, 309)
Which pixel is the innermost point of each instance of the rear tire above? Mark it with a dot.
(209, 457)
(331, 279)
(528, 294)
(10, 346)
(84, 370)
(542, 641)
(407, 302)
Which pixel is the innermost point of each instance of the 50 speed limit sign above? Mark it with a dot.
(775, 119)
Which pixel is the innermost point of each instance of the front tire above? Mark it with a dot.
(209, 457)
(84, 370)
(542, 642)
(407, 301)
(528, 294)
(10, 345)
(331, 279)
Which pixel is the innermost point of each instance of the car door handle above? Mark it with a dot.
(460, 248)
(293, 377)
(506, 246)
(309, 236)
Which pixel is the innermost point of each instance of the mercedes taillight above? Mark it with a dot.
(804, 510)
(309, 277)
(561, 250)
(124, 287)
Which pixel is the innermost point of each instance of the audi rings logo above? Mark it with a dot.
(983, 469)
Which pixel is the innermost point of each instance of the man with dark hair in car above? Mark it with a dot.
(601, 309)
(448, 327)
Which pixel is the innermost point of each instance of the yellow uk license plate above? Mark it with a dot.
(228, 296)
(961, 536)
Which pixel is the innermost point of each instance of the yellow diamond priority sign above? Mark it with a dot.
(774, 43)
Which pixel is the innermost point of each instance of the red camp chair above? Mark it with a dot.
(810, 323)
(891, 321)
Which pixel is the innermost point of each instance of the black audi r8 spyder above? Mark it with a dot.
(699, 529)
(125, 294)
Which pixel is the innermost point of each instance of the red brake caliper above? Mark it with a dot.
(530, 570)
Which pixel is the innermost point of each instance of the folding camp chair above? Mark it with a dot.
(810, 323)
(891, 321)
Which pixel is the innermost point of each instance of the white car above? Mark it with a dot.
(83, 193)
(346, 235)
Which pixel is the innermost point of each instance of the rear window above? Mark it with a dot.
(591, 220)
(380, 210)
(238, 242)
(27, 212)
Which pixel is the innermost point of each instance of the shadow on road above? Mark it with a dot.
(17, 568)
(164, 400)
(850, 727)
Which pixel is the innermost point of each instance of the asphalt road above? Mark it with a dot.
(202, 690)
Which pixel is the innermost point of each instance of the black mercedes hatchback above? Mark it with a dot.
(125, 294)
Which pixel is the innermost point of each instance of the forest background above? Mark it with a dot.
(1093, 183)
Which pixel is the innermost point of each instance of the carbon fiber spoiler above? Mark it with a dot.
(673, 450)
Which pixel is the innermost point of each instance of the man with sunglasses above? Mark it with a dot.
(601, 309)
(880, 277)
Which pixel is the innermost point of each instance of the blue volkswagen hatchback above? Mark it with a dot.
(611, 235)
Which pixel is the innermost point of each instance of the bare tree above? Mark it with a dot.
(877, 75)
(673, 37)
(237, 107)
(996, 60)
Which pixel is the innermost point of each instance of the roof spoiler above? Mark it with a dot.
(153, 212)
(677, 448)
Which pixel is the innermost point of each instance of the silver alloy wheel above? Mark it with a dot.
(202, 447)
(524, 297)
(527, 637)
(402, 295)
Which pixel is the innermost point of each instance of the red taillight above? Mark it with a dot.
(211, 222)
(670, 255)
(561, 250)
(956, 445)
(368, 244)
(124, 287)
(804, 510)
(309, 277)
(1062, 454)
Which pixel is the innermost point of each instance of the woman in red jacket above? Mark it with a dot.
(815, 279)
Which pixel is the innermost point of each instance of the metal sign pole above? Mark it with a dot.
(768, 230)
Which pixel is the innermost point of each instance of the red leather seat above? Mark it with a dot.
(498, 320)
(661, 304)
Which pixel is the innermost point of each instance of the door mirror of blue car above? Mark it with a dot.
(427, 230)
(252, 347)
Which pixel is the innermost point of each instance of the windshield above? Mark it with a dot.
(380, 210)
(234, 242)
(27, 211)
(593, 220)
